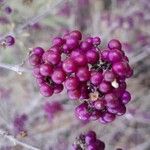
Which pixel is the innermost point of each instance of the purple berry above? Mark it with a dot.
(96, 40)
(77, 34)
(92, 56)
(109, 76)
(53, 57)
(115, 55)
(71, 83)
(38, 51)
(58, 41)
(72, 42)
(105, 87)
(74, 94)
(96, 78)
(8, 10)
(46, 69)
(109, 117)
(114, 44)
(83, 74)
(69, 66)
(105, 54)
(58, 88)
(34, 59)
(58, 76)
(126, 97)
(9, 40)
(46, 90)
(85, 46)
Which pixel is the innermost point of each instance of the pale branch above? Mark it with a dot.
(34, 19)
(15, 141)
(16, 68)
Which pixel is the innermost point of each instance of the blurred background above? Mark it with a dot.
(30, 121)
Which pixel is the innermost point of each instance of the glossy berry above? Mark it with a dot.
(77, 34)
(74, 94)
(109, 76)
(38, 51)
(96, 78)
(58, 76)
(46, 90)
(58, 41)
(83, 74)
(126, 97)
(9, 40)
(69, 66)
(53, 57)
(71, 83)
(46, 69)
(105, 87)
(92, 56)
(96, 40)
(34, 59)
(85, 46)
(58, 88)
(114, 44)
(72, 42)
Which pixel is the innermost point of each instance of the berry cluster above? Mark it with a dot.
(19, 123)
(51, 109)
(8, 41)
(94, 76)
(88, 141)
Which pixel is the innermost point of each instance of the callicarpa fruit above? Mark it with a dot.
(96, 77)
(88, 141)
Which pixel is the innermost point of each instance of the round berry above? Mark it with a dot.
(38, 51)
(80, 60)
(115, 55)
(34, 59)
(109, 117)
(104, 55)
(105, 87)
(83, 74)
(58, 76)
(53, 57)
(96, 40)
(109, 76)
(69, 66)
(36, 72)
(46, 69)
(96, 78)
(120, 68)
(92, 56)
(74, 94)
(72, 42)
(58, 41)
(46, 90)
(114, 44)
(9, 40)
(77, 34)
(85, 46)
(58, 88)
(126, 97)
(71, 83)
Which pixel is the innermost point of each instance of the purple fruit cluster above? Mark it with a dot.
(51, 109)
(88, 141)
(8, 41)
(19, 123)
(90, 74)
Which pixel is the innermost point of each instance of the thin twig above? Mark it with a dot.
(17, 68)
(15, 141)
